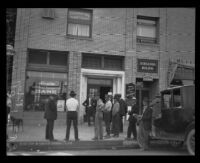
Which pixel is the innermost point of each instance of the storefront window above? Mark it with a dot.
(40, 85)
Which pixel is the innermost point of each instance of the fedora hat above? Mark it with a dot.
(72, 93)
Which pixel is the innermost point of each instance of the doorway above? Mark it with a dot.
(103, 91)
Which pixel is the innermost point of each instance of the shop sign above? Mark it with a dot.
(147, 65)
(49, 83)
(60, 105)
(46, 91)
(147, 78)
(130, 89)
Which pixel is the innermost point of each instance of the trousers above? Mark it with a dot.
(72, 117)
(49, 129)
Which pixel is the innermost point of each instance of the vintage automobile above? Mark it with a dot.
(176, 117)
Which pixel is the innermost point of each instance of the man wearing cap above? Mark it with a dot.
(72, 115)
(132, 120)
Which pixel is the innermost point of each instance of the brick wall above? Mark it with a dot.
(113, 33)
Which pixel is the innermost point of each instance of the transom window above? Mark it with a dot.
(147, 29)
(103, 62)
(79, 22)
(47, 60)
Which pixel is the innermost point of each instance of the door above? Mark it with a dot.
(103, 92)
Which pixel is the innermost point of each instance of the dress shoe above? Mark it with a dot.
(127, 138)
(94, 138)
(53, 140)
(77, 139)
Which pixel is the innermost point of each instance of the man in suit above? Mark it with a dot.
(132, 120)
(122, 112)
(50, 115)
(90, 105)
(145, 122)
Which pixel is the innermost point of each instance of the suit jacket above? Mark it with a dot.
(122, 110)
(50, 110)
(146, 118)
(93, 103)
(134, 110)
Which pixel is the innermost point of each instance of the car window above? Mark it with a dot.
(177, 98)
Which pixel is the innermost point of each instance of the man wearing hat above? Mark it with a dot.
(50, 115)
(132, 120)
(72, 115)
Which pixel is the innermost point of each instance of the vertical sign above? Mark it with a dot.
(130, 90)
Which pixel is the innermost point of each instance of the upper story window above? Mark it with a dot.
(79, 23)
(48, 13)
(147, 29)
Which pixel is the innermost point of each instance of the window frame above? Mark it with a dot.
(102, 61)
(47, 67)
(144, 39)
(80, 22)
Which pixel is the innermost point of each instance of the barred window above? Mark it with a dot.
(91, 61)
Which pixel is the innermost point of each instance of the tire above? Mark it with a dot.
(190, 142)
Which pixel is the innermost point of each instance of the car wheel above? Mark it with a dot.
(190, 141)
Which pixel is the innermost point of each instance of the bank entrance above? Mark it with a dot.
(99, 86)
(100, 82)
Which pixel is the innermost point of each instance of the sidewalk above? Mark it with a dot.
(33, 138)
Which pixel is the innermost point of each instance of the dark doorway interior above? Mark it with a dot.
(103, 92)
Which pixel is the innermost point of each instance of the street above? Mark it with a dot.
(113, 152)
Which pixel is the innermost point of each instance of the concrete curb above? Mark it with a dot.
(72, 145)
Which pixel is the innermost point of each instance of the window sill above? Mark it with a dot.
(79, 38)
(149, 44)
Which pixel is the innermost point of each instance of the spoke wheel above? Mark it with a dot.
(190, 142)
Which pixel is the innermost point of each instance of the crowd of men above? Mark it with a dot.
(112, 113)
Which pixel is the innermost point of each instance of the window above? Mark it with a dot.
(48, 13)
(40, 85)
(147, 29)
(79, 22)
(90, 61)
(47, 58)
(177, 98)
(37, 57)
(102, 62)
(113, 63)
(57, 58)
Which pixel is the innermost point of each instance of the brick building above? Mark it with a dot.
(98, 50)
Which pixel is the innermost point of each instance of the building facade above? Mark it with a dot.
(96, 51)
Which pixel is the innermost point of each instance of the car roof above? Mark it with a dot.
(177, 87)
